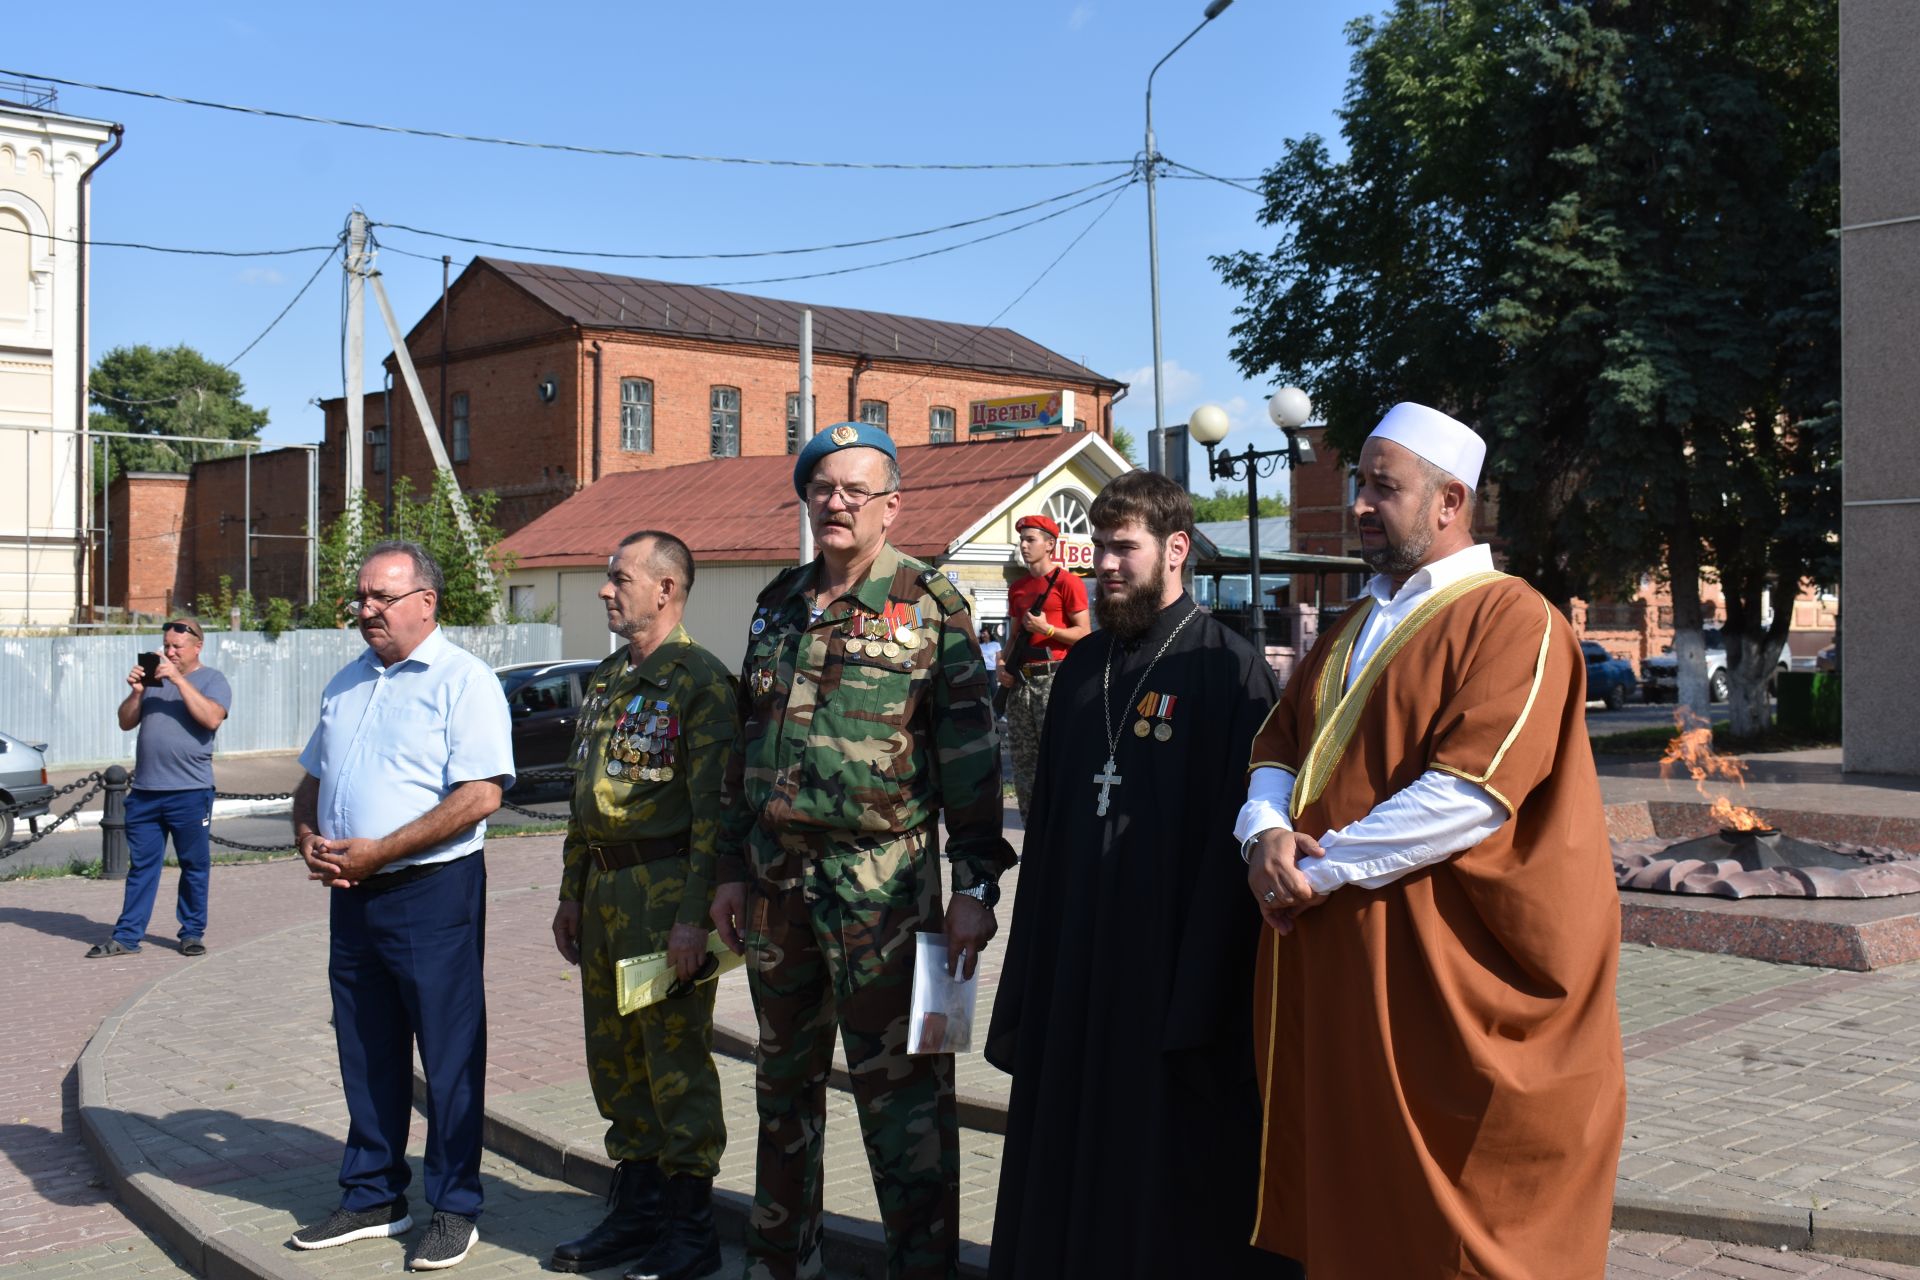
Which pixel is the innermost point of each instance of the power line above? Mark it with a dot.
(161, 248)
(577, 149)
(95, 393)
(1018, 298)
(930, 253)
(754, 253)
(1195, 175)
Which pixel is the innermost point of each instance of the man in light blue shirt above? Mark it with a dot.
(412, 752)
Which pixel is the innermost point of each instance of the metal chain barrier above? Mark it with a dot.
(539, 775)
(95, 778)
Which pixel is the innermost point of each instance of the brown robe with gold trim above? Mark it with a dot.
(1441, 1056)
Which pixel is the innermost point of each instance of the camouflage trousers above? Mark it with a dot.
(834, 946)
(1026, 716)
(652, 1070)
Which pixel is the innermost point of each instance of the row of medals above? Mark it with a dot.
(631, 755)
(871, 638)
(1161, 732)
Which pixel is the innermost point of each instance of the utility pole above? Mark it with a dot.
(806, 423)
(357, 266)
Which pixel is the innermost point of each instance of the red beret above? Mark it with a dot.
(1043, 523)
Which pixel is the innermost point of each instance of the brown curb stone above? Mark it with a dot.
(1856, 1235)
(1733, 1224)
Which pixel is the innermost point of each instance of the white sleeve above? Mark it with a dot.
(1437, 816)
(1269, 791)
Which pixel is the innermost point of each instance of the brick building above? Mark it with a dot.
(555, 377)
(169, 536)
(143, 526)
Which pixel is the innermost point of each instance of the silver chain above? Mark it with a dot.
(1106, 678)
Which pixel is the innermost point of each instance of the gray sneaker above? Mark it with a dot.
(368, 1224)
(449, 1237)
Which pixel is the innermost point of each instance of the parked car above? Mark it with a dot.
(544, 700)
(1609, 679)
(24, 791)
(1660, 675)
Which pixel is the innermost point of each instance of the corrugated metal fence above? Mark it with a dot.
(62, 690)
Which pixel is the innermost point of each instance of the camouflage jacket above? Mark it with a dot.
(864, 724)
(670, 790)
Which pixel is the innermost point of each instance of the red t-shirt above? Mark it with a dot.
(1068, 597)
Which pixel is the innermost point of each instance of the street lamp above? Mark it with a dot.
(1156, 443)
(1290, 408)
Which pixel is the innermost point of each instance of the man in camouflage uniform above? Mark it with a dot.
(655, 727)
(865, 716)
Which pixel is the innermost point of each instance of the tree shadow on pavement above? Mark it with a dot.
(251, 1159)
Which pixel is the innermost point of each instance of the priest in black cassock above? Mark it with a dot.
(1125, 1004)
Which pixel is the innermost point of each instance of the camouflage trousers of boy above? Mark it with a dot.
(652, 1070)
(1026, 716)
(833, 944)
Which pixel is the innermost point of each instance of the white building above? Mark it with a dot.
(46, 160)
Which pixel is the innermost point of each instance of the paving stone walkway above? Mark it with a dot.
(1792, 1087)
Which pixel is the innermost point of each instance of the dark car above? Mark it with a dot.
(544, 700)
(1609, 679)
(24, 791)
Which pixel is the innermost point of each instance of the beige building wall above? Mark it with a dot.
(43, 472)
(1880, 382)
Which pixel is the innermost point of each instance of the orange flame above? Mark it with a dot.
(1692, 749)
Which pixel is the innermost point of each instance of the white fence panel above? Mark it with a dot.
(62, 690)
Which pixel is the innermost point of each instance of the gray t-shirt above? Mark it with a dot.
(174, 752)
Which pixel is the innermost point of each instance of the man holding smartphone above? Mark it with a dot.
(176, 702)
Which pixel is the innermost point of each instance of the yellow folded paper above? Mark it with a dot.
(643, 980)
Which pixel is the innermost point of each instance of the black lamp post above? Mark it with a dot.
(1289, 408)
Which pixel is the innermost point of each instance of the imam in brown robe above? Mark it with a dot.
(1440, 1056)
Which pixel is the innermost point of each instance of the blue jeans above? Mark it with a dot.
(153, 816)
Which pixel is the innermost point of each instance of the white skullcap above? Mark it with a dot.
(1449, 445)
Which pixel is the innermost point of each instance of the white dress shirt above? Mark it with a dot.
(393, 742)
(1434, 817)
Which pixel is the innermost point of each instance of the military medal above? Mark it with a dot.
(759, 625)
(1141, 728)
(666, 774)
(1156, 707)
(614, 769)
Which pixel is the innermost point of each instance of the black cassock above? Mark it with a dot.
(1125, 1003)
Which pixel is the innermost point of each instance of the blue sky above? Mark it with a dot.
(988, 81)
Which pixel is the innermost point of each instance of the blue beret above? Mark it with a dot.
(841, 435)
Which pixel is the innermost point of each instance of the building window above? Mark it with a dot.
(1079, 424)
(520, 604)
(794, 425)
(636, 415)
(874, 413)
(725, 405)
(462, 429)
(940, 425)
(377, 446)
(1069, 511)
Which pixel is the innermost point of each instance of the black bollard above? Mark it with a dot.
(114, 859)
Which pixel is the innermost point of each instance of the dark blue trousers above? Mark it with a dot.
(405, 970)
(152, 816)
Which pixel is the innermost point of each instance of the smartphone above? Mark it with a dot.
(149, 663)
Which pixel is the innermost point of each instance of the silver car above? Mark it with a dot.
(23, 784)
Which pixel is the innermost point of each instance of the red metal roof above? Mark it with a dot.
(745, 509)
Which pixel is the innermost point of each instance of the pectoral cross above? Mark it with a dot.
(1106, 781)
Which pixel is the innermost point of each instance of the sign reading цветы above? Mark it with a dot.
(1020, 413)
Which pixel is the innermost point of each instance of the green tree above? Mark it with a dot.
(1597, 230)
(171, 392)
(1124, 442)
(471, 595)
(1226, 504)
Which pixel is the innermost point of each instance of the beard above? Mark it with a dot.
(1397, 558)
(1131, 610)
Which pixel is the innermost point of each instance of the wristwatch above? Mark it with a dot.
(986, 893)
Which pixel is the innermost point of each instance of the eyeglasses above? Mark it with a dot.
(854, 496)
(182, 628)
(382, 603)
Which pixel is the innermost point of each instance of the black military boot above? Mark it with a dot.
(690, 1247)
(636, 1219)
